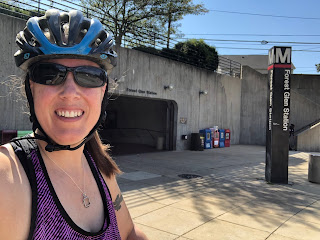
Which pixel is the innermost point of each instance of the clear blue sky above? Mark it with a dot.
(226, 24)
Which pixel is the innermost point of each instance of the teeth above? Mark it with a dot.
(69, 114)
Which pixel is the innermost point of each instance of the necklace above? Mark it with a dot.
(85, 198)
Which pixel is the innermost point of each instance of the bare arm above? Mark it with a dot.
(15, 207)
(126, 226)
(136, 234)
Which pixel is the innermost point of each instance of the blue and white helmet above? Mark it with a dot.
(64, 35)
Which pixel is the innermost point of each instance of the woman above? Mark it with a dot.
(60, 183)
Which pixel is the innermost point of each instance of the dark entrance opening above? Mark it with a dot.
(139, 125)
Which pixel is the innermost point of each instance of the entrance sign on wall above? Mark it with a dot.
(141, 91)
(278, 111)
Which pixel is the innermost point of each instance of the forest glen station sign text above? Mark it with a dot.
(141, 91)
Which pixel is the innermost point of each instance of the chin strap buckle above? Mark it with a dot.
(51, 147)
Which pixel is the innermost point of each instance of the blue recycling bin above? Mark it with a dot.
(222, 137)
(207, 138)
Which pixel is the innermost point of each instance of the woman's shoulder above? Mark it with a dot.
(15, 195)
(12, 175)
(8, 174)
(13, 179)
(8, 164)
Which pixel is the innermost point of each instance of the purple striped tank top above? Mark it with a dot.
(49, 220)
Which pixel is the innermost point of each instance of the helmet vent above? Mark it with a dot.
(65, 33)
(81, 35)
(100, 39)
(46, 30)
(30, 39)
(33, 42)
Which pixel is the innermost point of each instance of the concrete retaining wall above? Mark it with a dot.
(12, 107)
(309, 140)
(304, 104)
(142, 72)
(253, 107)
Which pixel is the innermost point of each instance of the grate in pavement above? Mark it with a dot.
(189, 176)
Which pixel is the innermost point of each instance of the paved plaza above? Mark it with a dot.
(229, 201)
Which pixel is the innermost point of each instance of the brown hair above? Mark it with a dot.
(99, 153)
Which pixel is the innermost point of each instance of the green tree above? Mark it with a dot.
(194, 52)
(318, 67)
(174, 11)
(137, 18)
(198, 53)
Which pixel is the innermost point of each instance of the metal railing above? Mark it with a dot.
(229, 67)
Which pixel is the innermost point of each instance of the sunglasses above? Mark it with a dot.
(55, 74)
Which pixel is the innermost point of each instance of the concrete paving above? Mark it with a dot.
(229, 201)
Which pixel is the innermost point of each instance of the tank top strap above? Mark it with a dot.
(22, 148)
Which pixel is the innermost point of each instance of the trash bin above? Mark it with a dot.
(314, 168)
(197, 142)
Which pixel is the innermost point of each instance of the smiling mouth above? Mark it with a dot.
(69, 114)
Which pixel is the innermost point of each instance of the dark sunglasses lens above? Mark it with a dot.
(90, 77)
(48, 74)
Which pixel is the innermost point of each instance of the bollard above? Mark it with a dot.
(314, 168)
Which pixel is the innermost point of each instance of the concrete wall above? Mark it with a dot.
(146, 72)
(253, 107)
(304, 104)
(309, 140)
(13, 107)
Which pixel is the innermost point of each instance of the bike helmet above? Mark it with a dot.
(64, 35)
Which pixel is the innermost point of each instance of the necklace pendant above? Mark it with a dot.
(85, 200)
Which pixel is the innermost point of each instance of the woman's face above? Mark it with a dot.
(67, 112)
